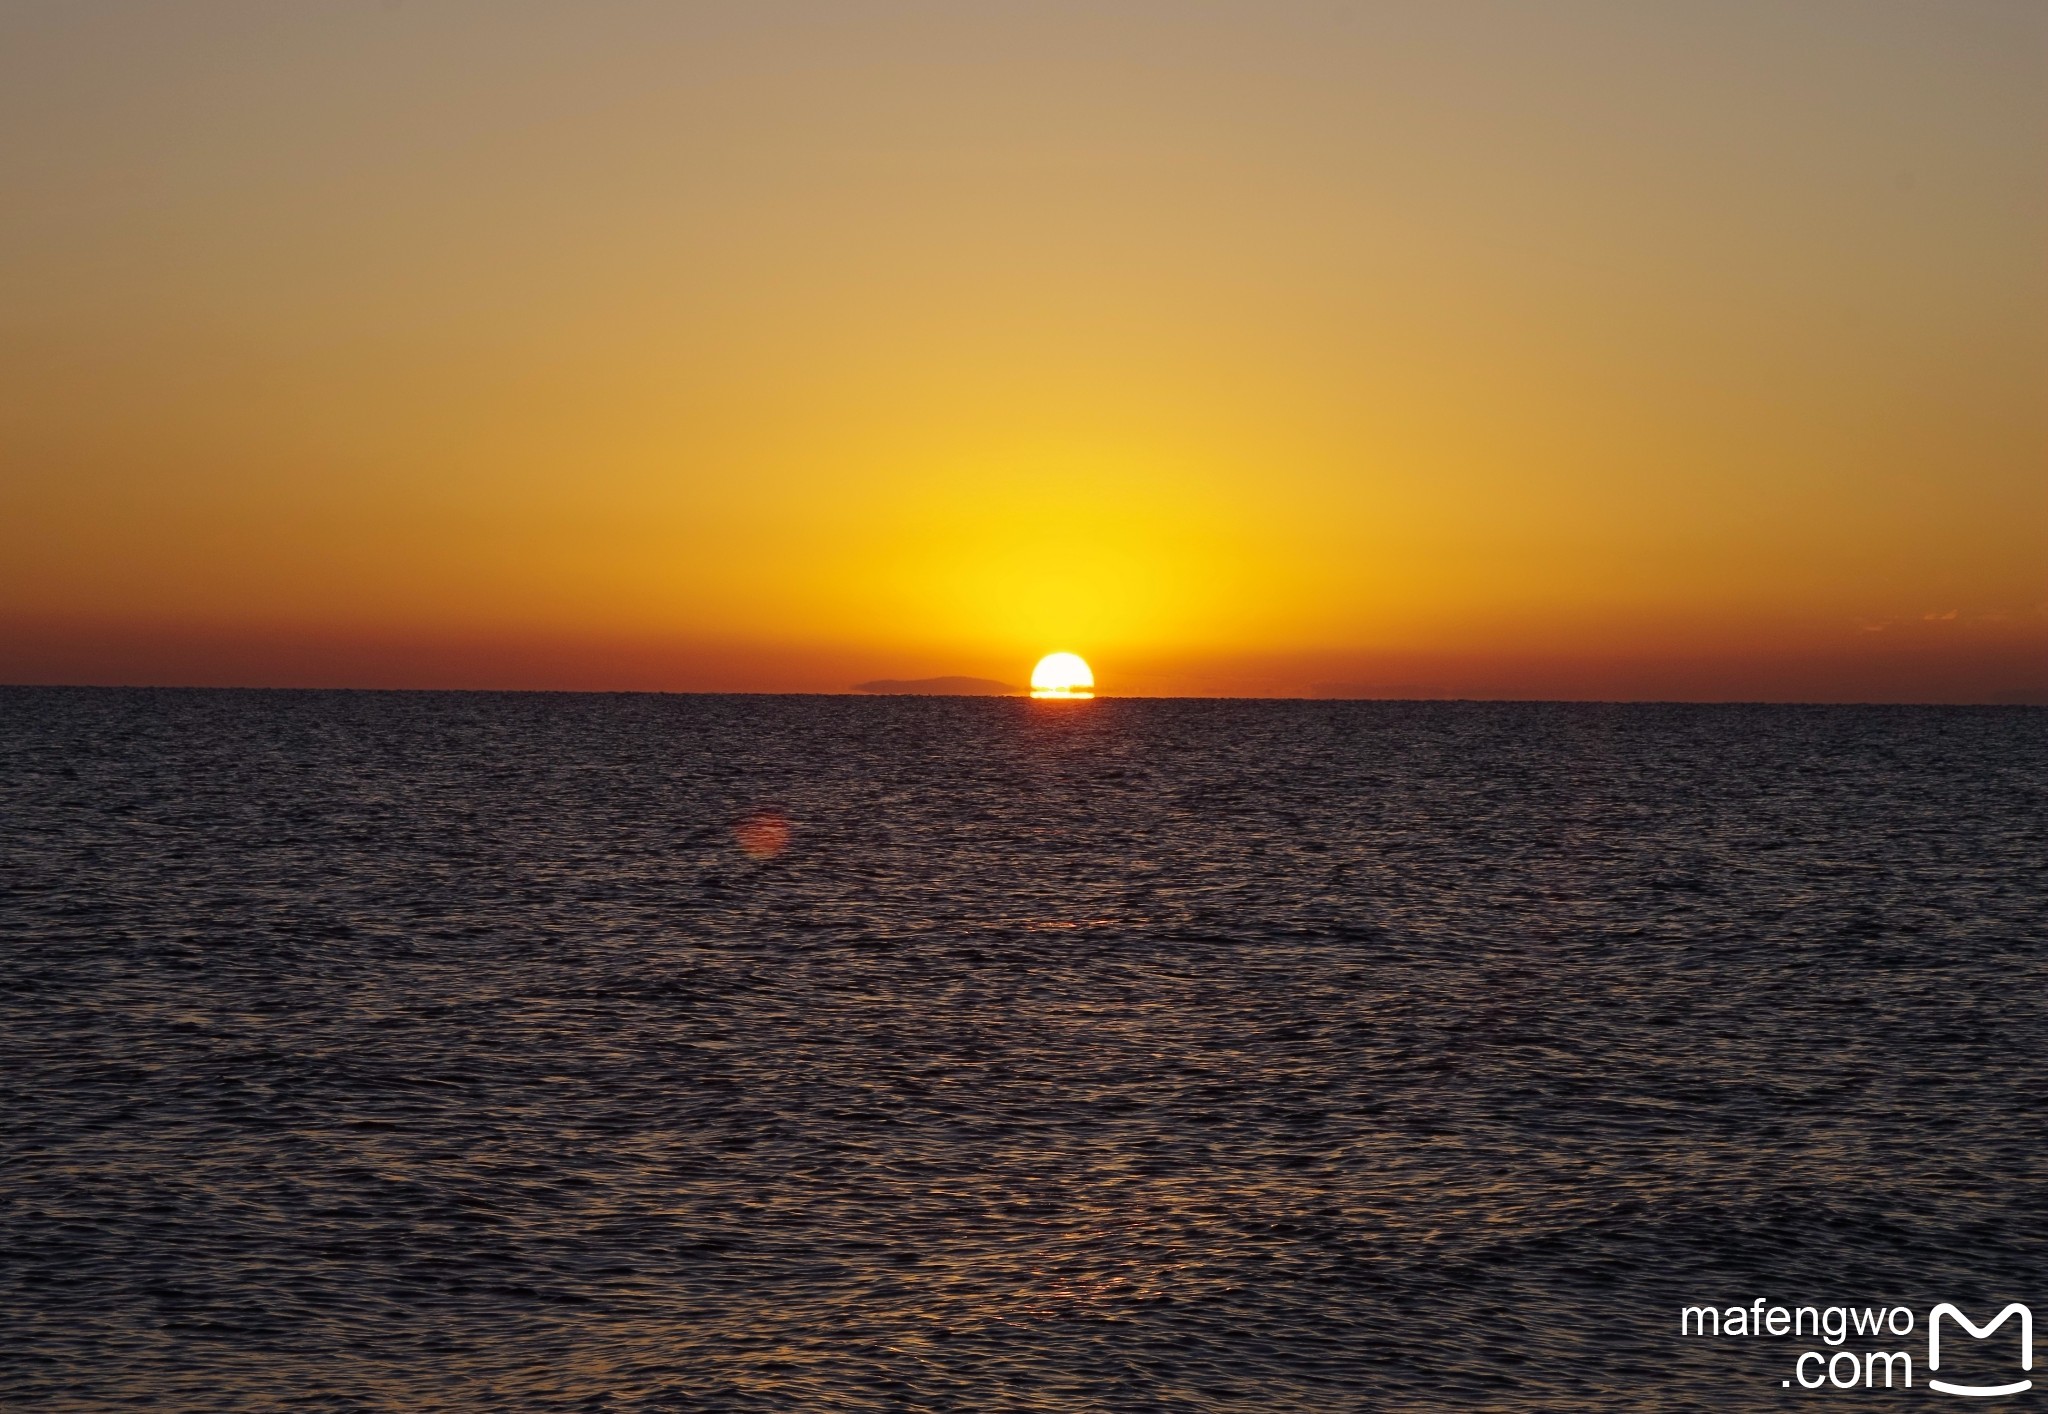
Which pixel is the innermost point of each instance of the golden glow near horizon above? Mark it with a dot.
(1062, 675)
(1267, 348)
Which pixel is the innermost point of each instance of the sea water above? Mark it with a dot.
(447, 1051)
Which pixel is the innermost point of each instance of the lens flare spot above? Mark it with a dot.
(763, 834)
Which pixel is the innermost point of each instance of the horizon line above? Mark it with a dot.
(2018, 703)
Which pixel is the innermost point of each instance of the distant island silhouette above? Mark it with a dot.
(938, 687)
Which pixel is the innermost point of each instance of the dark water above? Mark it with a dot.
(447, 1051)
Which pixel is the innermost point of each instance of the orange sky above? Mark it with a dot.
(1454, 348)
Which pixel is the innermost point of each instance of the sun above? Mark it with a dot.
(1062, 675)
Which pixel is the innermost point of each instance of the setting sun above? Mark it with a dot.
(1062, 675)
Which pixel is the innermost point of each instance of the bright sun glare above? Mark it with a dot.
(1062, 675)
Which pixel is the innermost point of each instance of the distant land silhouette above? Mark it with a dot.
(1378, 691)
(937, 687)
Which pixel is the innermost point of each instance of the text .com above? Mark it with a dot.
(1871, 1326)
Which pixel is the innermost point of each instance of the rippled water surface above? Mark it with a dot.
(425, 1051)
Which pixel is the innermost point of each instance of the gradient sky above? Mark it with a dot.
(1513, 349)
